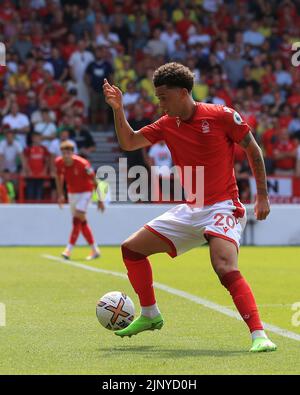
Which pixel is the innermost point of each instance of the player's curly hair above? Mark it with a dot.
(174, 75)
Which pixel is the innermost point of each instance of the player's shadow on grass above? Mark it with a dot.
(156, 351)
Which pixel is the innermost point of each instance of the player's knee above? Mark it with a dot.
(80, 215)
(129, 253)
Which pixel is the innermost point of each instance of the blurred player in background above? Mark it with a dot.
(80, 180)
(197, 134)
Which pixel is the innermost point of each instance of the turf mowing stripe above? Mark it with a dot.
(196, 299)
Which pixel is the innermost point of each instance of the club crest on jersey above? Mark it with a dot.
(178, 122)
(205, 127)
(237, 118)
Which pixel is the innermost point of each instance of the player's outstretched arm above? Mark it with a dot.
(60, 191)
(128, 139)
(256, 160)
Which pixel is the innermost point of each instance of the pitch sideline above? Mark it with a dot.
(196, 299)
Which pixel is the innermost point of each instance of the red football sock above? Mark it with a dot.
(75, 231)
(87, 232)
(243, 299)
(140, 276)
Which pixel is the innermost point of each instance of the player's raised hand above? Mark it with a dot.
(262, 208)
(113, 95)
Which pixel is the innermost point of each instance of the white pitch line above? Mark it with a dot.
(196, 299)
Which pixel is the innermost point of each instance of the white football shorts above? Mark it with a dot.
(185, 227)
(79, 201)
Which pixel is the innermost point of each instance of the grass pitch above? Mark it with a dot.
(51, 327)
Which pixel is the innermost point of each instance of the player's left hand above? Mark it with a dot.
(262, 207)
(101, 206)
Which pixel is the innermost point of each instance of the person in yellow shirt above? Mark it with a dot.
(21, 77)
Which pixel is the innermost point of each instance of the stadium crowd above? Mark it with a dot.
(59, 52)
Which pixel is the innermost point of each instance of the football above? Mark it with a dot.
(115, 310)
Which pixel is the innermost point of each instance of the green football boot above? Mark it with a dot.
(141, 324)
(262, 344)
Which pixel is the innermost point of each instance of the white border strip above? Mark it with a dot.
(192, 298)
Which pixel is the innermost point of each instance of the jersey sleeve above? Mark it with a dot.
(236, 127)
(154, 132)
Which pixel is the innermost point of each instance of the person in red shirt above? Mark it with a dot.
(198, 135)
(80, 179)
(284, 153)
(37, 164)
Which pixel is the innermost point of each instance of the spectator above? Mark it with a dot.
(36, 166)
(73, 103)
(20, 76)
(81, 24)
(234, 66)
(179, 54)
(247, 80)
(83, 138)
(70, 47)
(185, 23)
(18, 122)
(96, 72)
(198, 36)
(54, 95)
(253, 36)
(22, 45)
(106, 37)
(59, 65)
(169, 37)
(283, 77)
(11, 151)
(160, 156)
(131, 96)
(31, 105)
(155, 46)
(284, 154)
(121, 29)
(36, 116)
(139, 29)
(54, 147)
(8, 185)
(294, 125)
(137, 121)
(78, 62)
(46, 128)
(125, 73)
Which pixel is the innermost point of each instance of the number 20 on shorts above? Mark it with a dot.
(225, 220)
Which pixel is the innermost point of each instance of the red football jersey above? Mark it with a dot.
(79, 177)
(37, 156)
(207, 139)
(287, 147)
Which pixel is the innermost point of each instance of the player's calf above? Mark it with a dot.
(224, 260)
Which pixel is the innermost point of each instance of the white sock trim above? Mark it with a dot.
(258, 333)
(150, 311)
